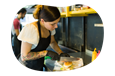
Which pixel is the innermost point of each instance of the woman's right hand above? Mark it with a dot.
(53, 55)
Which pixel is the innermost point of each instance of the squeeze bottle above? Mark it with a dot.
(94, 56)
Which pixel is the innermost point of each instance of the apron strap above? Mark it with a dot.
(39, 28)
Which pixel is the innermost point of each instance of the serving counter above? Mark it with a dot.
(86, 61)
(86, 58)
(87, 64)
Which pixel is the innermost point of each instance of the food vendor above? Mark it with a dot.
(37, 36)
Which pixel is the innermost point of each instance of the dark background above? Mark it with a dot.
(79, 33)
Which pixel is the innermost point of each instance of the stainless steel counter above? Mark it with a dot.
(64, 49)
(50, 63)
(86, 58)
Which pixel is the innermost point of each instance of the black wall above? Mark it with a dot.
(94, 34)
(71, 32)
(75, 32)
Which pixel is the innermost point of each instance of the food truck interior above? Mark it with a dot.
(79, 32)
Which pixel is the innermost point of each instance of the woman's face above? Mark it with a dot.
(51, 25)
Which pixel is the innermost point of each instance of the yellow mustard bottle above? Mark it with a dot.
(94, 55)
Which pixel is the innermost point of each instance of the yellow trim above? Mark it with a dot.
(63, 14)
(77, 13)
(87, 11)
(67, 11)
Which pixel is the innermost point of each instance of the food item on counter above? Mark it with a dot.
(70, 65)
(77, 64)
(67, 66)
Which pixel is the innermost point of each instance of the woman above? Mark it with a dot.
(37, 36)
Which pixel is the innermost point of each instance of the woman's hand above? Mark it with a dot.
(53, 55)
(64, 55)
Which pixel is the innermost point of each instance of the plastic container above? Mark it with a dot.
(47, 57)
(94, 55)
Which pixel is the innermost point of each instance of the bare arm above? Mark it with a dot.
(55, 46)
(27, 55)
(17, 32)
(16, 25)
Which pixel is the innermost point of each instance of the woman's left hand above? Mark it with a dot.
(64, 55)
(53, 55)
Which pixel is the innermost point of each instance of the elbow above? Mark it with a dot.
(52, 43)
(17, 34)
(24, 57)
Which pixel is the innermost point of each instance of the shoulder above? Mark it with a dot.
(32, 26)
(16, 20)
(31, 29)
(29, 33)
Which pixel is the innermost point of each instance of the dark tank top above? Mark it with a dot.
(42, 45)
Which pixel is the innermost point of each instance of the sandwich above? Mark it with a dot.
(67, 66)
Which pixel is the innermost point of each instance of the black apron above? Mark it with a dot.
(42, 45)
(17, 44)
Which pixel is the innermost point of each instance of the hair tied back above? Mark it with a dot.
(37, 11)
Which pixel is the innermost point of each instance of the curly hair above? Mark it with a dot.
(48, 13)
